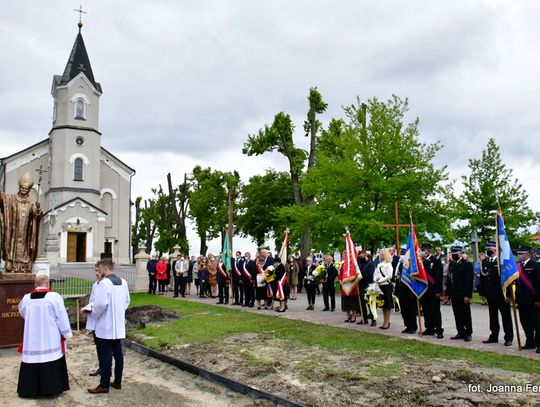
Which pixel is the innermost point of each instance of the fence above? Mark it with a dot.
(73, 280)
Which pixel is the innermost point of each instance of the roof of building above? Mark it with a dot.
(78, 62)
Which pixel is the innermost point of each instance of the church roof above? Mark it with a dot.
(78, 62)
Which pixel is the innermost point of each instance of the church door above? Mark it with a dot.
(76, 247)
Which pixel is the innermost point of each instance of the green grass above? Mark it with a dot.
(210, 323)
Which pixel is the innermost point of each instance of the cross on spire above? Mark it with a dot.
(81, 12)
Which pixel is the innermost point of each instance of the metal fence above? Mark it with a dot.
(73, 280)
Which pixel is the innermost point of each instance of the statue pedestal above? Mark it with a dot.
(13, 286)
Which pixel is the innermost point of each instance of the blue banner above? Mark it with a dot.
(413, 274)
(509, 269)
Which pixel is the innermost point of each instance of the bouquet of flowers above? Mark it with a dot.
(338, 264)
(374, 298)
(319, 274)
(269, 274)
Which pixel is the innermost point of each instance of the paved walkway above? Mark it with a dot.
(297, 310)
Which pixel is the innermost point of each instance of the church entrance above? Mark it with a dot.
(76, 247)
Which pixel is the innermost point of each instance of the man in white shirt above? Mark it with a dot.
(43, 370)
(109, 309)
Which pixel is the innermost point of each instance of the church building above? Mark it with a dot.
(85, 190)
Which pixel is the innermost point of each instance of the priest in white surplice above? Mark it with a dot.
(43, 370)
(109, 309)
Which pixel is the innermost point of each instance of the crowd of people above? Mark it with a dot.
(264, 282)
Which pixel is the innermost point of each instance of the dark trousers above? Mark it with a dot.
(409, 310)
(329, 291)
(310, 291)
(179, 285)
(223, 292)
(495, 306)
(238, 292)
(109, 348)
(249, 292)
(161, 284)
(97, 348)
(529, 315)
(202, 289)
(462, 316)
(431, 306)
(152, 282)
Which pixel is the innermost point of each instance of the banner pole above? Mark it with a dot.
(515, 317)
(419, 316)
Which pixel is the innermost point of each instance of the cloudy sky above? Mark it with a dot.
(185, 82)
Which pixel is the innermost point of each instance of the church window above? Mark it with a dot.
(80, 109)
(78, 169)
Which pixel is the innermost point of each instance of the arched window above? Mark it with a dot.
(80, 109)
(78, 169)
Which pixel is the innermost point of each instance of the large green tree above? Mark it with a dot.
(364, 163)
(261, 198)
(208, 202)
(279, 137)
(490, 181)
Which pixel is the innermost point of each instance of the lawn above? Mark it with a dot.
(210, 324)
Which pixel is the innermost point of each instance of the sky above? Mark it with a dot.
(185, 82)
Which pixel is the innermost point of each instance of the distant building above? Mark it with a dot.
(85, 192)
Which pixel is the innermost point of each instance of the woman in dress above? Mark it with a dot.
(161, 274)
(309, 283)
(212, 275)
(292, 274)
(382, 277)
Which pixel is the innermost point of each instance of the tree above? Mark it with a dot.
(488, 181)
(279, 137)
(261, 198)
(208, 202)
(144, 226)
(365, 162)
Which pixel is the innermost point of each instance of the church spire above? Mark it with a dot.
(78, 61)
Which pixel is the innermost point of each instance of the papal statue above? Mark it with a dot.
(20, 217)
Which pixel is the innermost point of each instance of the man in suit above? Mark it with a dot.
(329, 285)
(490, 288)
(180, 269)
(528, 298)
(151, 268)
(460, 290)
(249, 279)
(237, 283)
(431, 300)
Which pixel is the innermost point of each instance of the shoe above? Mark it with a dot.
(440, 335)
(428, 333)
(467, 339)
(538, 350)
(528, 347)
(280, 310)
(219, 302)
(352, 321)
(458, 336)
(332, 309)
(235, 303)
(507, 343)
(258, 307)
(326, 309)
(491, 340)
(347, 320)
(175, 296)
(98, 390)
(409, 331)
(360, 322)
(373, 323)
(385, 327)
(97, 372)
(116, 386)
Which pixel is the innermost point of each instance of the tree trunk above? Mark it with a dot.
(204, 246)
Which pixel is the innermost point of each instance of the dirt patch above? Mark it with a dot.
(317, 377)
(139, 317)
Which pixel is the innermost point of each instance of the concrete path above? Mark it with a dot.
(480, 317)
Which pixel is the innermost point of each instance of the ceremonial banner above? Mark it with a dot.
(280, 295)
(349, 273)
(508, 267)
(413, 274)
(227, 254)
(283, 250)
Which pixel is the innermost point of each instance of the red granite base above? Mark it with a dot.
(11, 323)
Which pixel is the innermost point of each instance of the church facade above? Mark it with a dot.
(85, 191)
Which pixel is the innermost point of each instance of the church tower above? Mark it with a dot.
(75, 138)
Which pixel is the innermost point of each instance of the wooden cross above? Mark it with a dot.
(396, 225)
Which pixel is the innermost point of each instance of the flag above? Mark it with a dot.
(280, 295)
(413, 274)
(283, 250)
(227, 254)
(508, 267)
(349, 273)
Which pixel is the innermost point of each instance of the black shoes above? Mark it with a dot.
(96, 373)
(428, 333)
(408, 331)
(467, 339)
(491, 340)
(373, 323)
(507, 343)
(326, 309)
(440, 335)
(458, 336)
